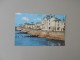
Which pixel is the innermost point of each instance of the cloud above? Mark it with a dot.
(18, 13)
(25, 18)
(39, 19)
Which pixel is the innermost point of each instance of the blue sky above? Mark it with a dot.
(22, 18)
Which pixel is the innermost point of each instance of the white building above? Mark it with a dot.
(51, 23)
(29, 26)
(36, 26)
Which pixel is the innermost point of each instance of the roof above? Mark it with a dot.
(49, 16)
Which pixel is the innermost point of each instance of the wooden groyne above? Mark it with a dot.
(45, 34)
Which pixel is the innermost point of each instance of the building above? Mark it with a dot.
(29, 26)
(38, 26)
(51, 23)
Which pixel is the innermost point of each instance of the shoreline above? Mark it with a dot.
(44, 34)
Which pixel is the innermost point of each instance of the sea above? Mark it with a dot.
(24, 39)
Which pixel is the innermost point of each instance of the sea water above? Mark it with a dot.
(22, 39)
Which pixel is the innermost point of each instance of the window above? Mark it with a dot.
(64, 28)
(49, 28)
(49, 23)
(58, 28)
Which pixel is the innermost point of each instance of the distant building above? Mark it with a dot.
(38, 26)
(51, 23)
(29, 26)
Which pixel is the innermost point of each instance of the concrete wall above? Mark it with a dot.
(70, 8)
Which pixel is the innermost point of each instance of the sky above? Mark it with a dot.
(22, 18)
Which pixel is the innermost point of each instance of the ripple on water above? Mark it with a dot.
(26, 40)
